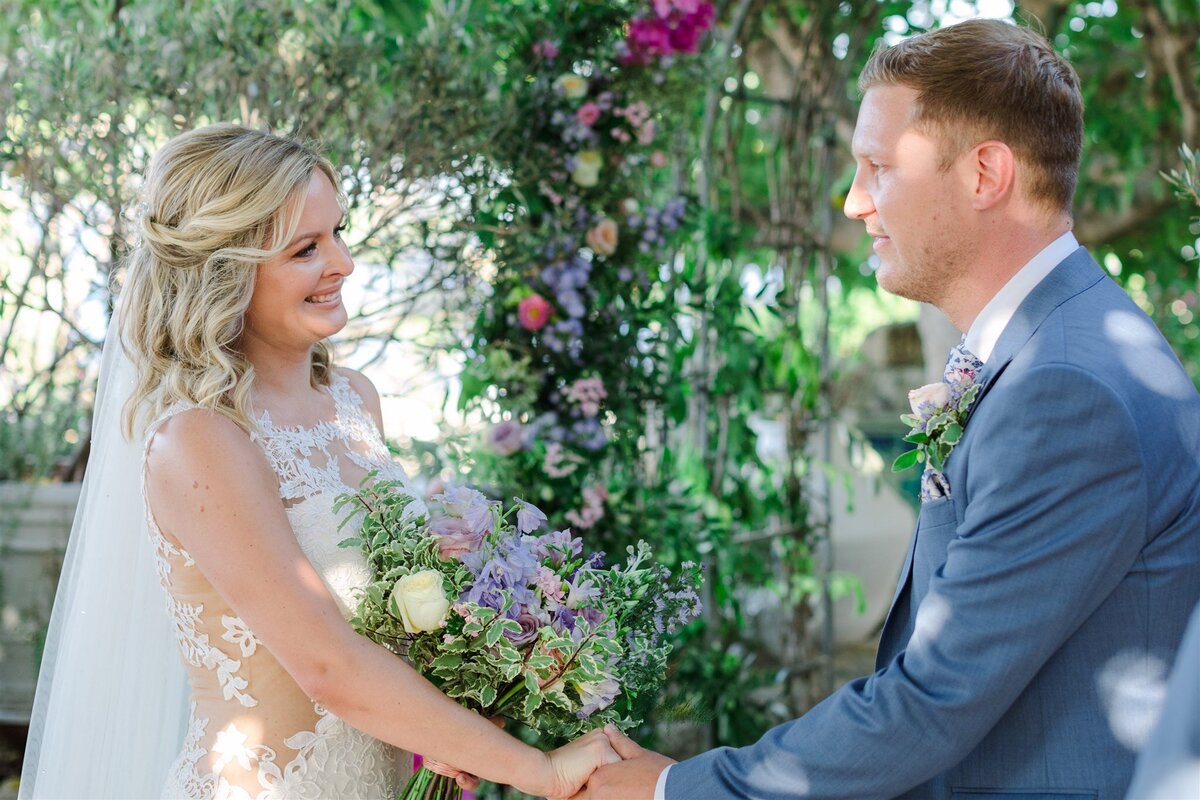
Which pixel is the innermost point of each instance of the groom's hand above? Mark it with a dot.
(633, 778)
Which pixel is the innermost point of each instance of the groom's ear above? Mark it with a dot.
(991, 169)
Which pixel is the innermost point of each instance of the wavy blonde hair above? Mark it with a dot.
(218, 201)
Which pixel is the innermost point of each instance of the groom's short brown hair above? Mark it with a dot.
(987, 79)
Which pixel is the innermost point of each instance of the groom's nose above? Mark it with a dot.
(858, 203)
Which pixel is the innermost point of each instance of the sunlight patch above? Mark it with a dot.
(1132, 687)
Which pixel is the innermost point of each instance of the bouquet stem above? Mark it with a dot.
(428, 785)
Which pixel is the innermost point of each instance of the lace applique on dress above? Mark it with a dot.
(253, 734)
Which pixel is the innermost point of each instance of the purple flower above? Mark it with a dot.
(481, 517)
(508, 567)
(563, 621)
(504, 438)
(558, 546)
(529, 517)
(565, 335)
(593, 615)
(458, 499)
(456, 537)
(597, 695)
(529, 629)
(581, 592)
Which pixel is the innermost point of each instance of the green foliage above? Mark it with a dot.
(90, 90)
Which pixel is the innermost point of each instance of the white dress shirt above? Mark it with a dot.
(994, 318)
(985, 332)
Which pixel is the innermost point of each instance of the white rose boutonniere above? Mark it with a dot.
(419, 601)
(939, 412)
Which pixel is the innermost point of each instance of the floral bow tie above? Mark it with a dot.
(939, 412)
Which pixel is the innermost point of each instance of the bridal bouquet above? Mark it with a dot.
(511, 619)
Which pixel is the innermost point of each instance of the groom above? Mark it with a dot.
(1056, 560)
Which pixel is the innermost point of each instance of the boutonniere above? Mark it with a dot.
(939, 413)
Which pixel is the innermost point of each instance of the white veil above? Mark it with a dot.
(110, 711)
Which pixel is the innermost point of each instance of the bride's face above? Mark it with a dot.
(297, 298)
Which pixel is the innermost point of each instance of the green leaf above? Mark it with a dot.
(353, 541)
(917, 438)
(510, 626)
(540, 662)
(493, 635)
(559, 699)
(447, 661)
(532, 703)
(561, 644)
(906, 460)
(487, 696)
(952, 434)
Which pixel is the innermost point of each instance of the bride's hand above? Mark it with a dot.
(572, 764)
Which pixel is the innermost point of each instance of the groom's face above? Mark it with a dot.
(912, 208)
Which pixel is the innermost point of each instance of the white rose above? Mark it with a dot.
(936, 393)
(419, 601)
(587, 168)
(571, 86)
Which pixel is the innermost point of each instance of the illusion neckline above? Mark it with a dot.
(263, 419)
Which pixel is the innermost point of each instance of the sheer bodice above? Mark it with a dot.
(253, 733)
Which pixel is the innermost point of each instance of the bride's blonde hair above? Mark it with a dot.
(218, 201)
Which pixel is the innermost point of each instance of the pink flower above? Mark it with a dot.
(534, 312)
(646, 133)
(649, 36)
(549, 583)
(593, 508)
(587, 114)
(558, 462)
(546, 49)
(602, 238)
(658, 159)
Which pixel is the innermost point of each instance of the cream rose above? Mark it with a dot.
(572, 86)
(587, 168)
(419, 601)
(602, 238)
(937, 394)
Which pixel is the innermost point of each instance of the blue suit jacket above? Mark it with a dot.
(1041, 601)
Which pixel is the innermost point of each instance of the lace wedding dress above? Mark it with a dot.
(252, 732)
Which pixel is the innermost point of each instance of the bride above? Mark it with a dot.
(222, 435)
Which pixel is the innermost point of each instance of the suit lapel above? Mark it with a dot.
(1074, 274)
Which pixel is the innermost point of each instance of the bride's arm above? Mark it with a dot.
(211, 488)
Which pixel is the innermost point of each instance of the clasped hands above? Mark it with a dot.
(604, 764)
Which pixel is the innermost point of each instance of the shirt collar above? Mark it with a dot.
(994, 318)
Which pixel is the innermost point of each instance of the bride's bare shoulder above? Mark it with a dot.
(199, 439)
